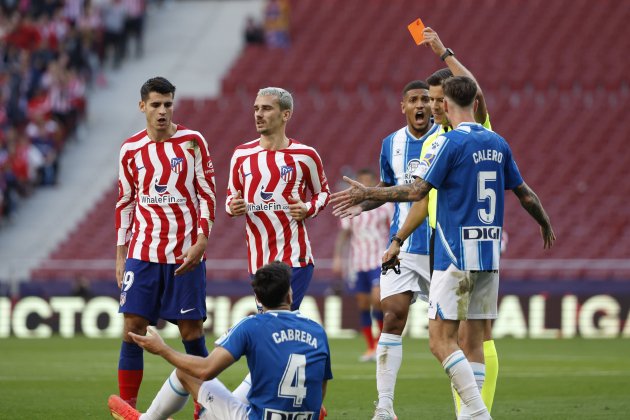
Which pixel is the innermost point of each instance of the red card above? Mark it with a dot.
(415, 28)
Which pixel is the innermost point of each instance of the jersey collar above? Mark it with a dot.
(471, 124)
(424, 137)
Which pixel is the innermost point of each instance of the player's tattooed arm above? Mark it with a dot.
(374, 204)
(358, 193)
(531, 203)
(368, 205)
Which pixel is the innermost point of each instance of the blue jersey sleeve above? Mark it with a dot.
(237, 339)
(387, 173)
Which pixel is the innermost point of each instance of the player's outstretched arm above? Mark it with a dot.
(354, 211)
(432, 39)
(205, 368)
(530, 202)
(358, 193)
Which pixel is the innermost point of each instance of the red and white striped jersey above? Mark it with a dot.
(166, 195)
(266, 179)
(369, 237)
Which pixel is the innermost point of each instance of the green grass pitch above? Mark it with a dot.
(539, 379)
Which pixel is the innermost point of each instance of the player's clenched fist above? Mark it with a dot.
(297, 209)
(238, 207)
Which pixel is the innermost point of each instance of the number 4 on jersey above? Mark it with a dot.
(292, 383)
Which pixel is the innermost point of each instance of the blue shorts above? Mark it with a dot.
(300, 279)
(364, 281)
(152, 291)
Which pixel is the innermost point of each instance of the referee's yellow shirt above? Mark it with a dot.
(425, 147)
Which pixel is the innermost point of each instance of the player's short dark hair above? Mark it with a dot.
(156, 84)
(414, 84)
(271, 284)
(460, 89)
(439, 76)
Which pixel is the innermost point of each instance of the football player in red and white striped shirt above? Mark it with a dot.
(366, 236)
(165, 210)
(269, 180)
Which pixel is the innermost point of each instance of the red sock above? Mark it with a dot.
(128, 385)
(369, 338)
(197, 411)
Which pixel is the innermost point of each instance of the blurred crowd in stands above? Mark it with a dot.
(274, 32)
(51, 53)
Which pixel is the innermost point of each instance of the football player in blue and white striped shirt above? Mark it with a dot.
(400, 157)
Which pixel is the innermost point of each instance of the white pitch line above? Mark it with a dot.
(575, 374)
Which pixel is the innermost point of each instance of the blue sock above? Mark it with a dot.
(196, 347)
(131, 357)
(378, 315)
(365, 318)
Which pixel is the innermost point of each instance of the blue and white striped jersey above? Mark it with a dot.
(400, 156)
(471, 167)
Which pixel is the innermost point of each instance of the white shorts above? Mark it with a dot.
(219, 403)
(461, 295)
(414, 276)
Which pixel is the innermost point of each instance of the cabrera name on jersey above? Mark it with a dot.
(400, 157)
(471, 167)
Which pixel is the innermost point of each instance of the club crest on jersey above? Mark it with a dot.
(177, 164)
(412, 165)
(123, 298)
(265, 195)
(287, 173)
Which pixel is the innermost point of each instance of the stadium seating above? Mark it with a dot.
(556, 94)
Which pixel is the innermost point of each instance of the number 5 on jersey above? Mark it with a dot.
(484, 193)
